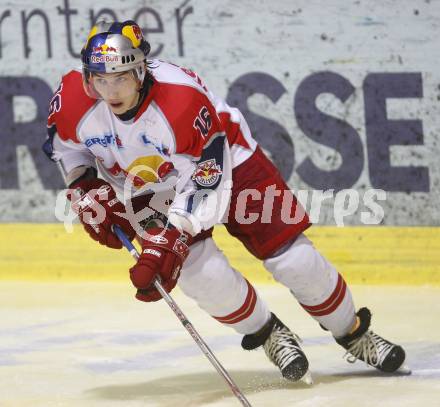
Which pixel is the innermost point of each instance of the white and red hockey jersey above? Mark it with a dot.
(180, 122)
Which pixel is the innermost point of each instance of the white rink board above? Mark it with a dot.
(354, 45)
(93, 344)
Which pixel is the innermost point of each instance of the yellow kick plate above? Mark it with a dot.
(363, 255)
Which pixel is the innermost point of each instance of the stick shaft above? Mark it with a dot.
(185, 322)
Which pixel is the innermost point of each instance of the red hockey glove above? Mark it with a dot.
(95, 202)
(163, 253)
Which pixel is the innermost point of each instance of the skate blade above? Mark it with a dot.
(403, 370)
(307, 378)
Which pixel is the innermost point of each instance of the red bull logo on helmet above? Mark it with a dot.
(104, 58)
(137, 32)
(207, 173)
(104, 49)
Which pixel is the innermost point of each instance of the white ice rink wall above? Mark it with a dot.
(340, 94)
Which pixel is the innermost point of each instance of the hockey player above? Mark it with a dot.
(148, 125)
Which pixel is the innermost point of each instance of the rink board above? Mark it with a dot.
(364, 255)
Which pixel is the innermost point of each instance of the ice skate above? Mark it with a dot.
(365, 345)
(282, 348)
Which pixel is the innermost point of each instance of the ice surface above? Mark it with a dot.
(93, 344)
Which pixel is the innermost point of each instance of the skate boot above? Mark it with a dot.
(365, 345)
(282, 348)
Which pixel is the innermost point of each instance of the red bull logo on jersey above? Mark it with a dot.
(144, 170)
(207, 173)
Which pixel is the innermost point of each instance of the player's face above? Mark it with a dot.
(119, 90)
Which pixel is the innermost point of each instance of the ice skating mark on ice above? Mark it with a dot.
(199, 388)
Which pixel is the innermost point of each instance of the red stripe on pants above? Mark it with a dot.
(244, 311)
(331, 303)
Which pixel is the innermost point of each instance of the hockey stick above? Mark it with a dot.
(188, 326)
